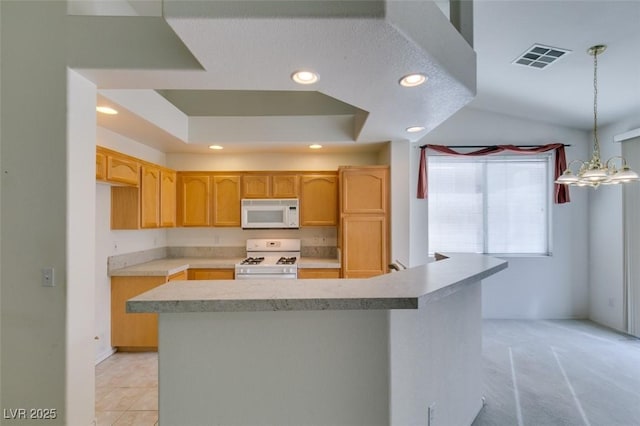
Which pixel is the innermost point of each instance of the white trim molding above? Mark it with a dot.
(626, 136)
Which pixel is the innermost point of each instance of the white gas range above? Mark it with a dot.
(269, 258)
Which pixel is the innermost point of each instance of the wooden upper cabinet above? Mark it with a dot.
(122, 170)
(101, 165)
(284, 186)
(150, 197)
(318, 200)
(194, 200)
(226, 200)
(256, 186)
(114, 167)
(125, 207)
(364, 189)
(270, 186)
(168, 187)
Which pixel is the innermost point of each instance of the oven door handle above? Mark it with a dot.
(265, 276)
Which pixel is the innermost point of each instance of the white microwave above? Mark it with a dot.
(270, 213)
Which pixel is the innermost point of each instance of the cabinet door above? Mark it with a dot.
(125, 207)
(284, 186)
(168, 198)
(319, 200)
(132, 330)
(101, 166)
(211, 274)
(255, 186)
(194, 200)
(318, 273)
(179, 276)
(226, 201)
(150, 197)
(364, 190)
(122, 170)
(364, 246)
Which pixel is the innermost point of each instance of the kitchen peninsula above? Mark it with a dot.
(400, 348)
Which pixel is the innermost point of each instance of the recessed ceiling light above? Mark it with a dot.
(315, 146)
(305, 77)
(106, 110)
(413, 80)
(415, 129)
(215, 147)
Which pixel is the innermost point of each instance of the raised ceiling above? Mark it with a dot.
(248, 51)
(560, 94)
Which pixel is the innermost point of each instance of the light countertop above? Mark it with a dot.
(406, 289)
(170, 266)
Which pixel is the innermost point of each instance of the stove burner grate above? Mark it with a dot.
(252, 261)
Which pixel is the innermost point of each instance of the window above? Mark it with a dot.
(491, 204)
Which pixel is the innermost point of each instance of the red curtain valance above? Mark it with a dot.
(561, 192)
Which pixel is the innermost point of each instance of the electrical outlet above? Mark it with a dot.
(431, 415)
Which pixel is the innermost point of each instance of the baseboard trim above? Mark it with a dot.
(101, 357)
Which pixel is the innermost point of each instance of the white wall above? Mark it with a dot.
(80, 246)
(110, 243)
(606, 232)
(532, 287)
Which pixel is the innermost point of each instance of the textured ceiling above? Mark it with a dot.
(360, 49)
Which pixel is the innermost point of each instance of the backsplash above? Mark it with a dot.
(237, 237)
(129, 259)
(323, 252)
(218, 252)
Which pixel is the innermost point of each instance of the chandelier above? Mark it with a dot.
(594, 172)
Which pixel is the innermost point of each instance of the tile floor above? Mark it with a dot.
(127, 389)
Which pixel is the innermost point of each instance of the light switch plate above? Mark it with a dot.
(48, 277)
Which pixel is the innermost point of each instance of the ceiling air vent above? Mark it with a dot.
(539, 56)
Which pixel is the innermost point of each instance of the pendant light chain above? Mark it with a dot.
(596, 142)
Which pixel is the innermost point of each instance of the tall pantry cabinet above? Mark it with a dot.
(364, 220)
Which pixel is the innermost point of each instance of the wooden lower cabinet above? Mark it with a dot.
(133, 332)
(179, 276)
(211, 274)
(139, 332)
(304, 273)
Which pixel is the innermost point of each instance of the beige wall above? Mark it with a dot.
(269, 161)
(34, 213)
